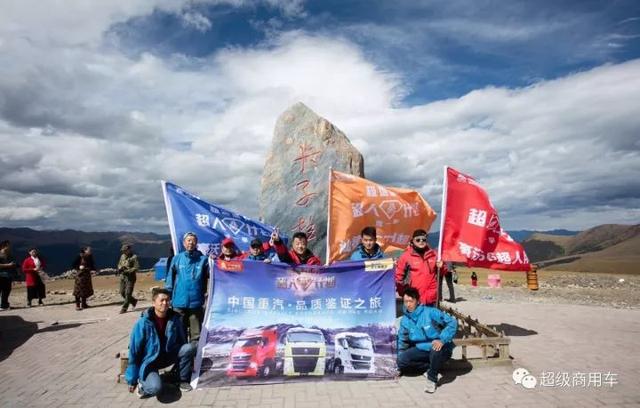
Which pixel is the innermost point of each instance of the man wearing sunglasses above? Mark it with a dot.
(417, 268)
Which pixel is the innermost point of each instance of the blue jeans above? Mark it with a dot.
(152, 383)
(415, 360)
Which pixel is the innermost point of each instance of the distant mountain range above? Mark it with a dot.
(609, 248)
(605, 248)
(59, 248)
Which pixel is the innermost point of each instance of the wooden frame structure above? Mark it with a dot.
(493, 345)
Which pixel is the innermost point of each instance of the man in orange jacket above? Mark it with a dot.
(417, 268)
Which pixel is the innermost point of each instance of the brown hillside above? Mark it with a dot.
(601, 237)
(560, 240)
(623, 257)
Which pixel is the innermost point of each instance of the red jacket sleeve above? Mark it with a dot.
(314, 260)
(28, 265)
(281, 249)
(402, 263)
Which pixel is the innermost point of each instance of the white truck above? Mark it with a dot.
(304, 352)
(353, 354)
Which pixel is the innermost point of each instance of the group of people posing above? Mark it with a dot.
(84, 267)
(167, 333)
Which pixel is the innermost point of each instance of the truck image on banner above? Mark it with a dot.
(305, 351)
(272, 323)
(253, 354)
(354, 354)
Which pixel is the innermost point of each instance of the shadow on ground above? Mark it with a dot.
(512, 329)
(170, 394)
(15, 331)
(71, 302)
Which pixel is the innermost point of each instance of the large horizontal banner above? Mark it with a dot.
(272, 323)
(210, 222)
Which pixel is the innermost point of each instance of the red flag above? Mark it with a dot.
(470, 229)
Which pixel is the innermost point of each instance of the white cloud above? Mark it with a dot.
(87, 132)
(196, 20)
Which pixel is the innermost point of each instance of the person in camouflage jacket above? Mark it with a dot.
(128, 266)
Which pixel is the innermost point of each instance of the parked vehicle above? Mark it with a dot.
(305, 352)
(353, 354)
(254, 354)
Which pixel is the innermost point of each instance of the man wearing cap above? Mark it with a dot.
(258, 251)
(128, 266)
(417, 268)
(187, 283)
(229, 251)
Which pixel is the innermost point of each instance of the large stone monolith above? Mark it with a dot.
(295, 179)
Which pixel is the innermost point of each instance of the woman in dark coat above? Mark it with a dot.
(33, 268)
(84, 266)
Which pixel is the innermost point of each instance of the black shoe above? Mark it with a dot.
(85, 306)
(185, 386)
(123, 311)
(40, 302)
(134, 302)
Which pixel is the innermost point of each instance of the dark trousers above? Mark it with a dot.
(192, 322)
(152, 383)
(82, 300)
(414, 360)
(5, 290)
(449, 278)
(36, 292)
(126, 291)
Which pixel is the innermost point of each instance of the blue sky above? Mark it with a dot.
(465, 45)
(100, 101)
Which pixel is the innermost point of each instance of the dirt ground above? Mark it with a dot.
(558, 287)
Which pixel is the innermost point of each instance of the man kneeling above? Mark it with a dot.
(425, 338)
(158, 340)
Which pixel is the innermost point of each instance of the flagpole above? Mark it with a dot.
(443, 213)
(328, 217)
(167, 206)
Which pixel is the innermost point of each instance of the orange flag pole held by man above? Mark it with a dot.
(356, 203)
(470, 229)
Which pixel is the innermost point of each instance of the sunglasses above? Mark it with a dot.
(420, 239)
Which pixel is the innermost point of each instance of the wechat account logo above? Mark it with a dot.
(523, 377)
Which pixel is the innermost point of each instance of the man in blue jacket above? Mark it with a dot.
(187, 283)
(368, 248)
(425, 338)
(158, 341)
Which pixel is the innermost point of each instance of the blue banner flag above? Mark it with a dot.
(272, 323)
(210, 222)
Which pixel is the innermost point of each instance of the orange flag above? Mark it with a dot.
(356, 203)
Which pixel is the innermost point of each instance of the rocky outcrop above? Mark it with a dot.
(295, 179)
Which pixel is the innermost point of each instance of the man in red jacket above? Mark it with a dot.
(299, 254)
(229, 251)
(417, 268)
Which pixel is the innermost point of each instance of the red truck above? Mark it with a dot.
(253, 354)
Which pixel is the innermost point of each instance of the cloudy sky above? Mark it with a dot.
(100, 100)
